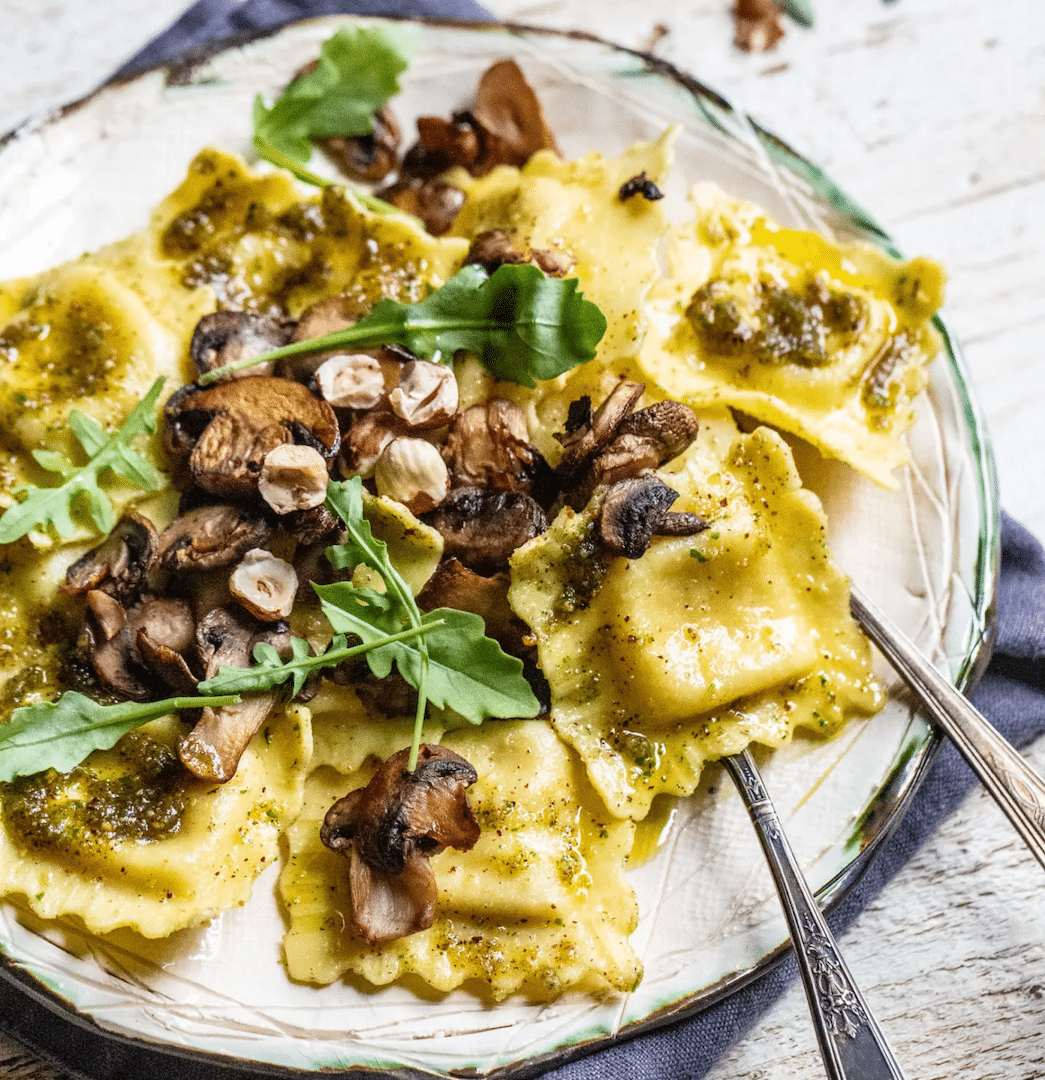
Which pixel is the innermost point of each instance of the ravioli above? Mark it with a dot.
(655, 665)
(828, 341)
(705, 644)
(539, 905)
(574, 208)
(191, 851)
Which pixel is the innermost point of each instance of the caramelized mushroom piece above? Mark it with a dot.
(211, 537)
(223, 337)
(114, 635)
(223, 432)
(646, 439)
(364, 440)
(510, 118)
(389, 829)
(366, 158)
(120, 564)
(482, 528)
(495, 248)
(226, 638)
(488, 446)
(453, 585)
(430, 198)
(636, 509)
(587, 433)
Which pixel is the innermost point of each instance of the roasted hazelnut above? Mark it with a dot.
(265, 585)
(412, 472)
(293, 478)
(426, 396)
(351, 381)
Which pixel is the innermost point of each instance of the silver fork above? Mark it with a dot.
(851, 1042)
(1018, 790)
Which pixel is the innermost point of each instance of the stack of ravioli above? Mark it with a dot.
(656, 665)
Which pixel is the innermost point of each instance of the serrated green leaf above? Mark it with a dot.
(52, 508)
(54, 462)
(356, 74)
(467, 671)
(521, 325)
(60, 734)
(799, 10)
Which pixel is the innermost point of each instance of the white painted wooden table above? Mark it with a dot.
(932, 114)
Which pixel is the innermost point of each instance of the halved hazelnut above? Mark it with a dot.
(412, 472)
(265, 585)
(426, 396)
(293, 478)
(351, 381)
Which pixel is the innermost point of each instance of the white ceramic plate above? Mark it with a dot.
(709, 915)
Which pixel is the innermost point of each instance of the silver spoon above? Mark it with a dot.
(851, 1042)
(1018, 790)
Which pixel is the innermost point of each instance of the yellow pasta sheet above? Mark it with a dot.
(228, 835)
(706, 643)
(828, 341)
(539, 905)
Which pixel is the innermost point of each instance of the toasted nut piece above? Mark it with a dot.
(351, 381)
(293, 478)
(365, 440)
(426, 396)
(412, 472)
(265, 585)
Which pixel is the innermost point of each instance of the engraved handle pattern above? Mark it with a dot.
(852, 1044)
(1018, 790)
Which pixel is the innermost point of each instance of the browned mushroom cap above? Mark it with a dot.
(510, 118)
(496, 247)
(482, 528)
(390, 828)
(225, 431)
(211, 537)
(646, 439)
(488, 446)
(367, 158)
(224, 337)
(226, 638)
(453, 585)
(120, 564)
(586, 434)
(164, 638)
(430, 198)
(635, 509)
(115, 635)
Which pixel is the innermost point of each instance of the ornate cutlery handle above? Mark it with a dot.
(1018, 790)
(852, 1044)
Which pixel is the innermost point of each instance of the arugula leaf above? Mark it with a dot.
(799, 10)
(45, 507)
(467, 671)
(357, 72)
(454, 665)
(521, 325)
(60, 734)
(270, 670)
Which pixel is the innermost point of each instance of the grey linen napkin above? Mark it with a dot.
(1012, 694)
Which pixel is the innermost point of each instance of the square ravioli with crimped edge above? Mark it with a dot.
(129, 839)
(829, 341)
(705, 644)
(539, 905)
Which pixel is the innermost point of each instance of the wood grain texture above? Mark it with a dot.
(932, 114)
